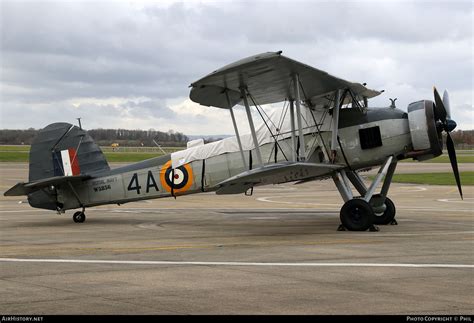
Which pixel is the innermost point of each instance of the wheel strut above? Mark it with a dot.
(361, 213)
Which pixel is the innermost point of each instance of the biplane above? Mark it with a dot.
(325, 130)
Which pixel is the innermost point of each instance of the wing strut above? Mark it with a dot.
(335, 124)
(293, 137)
(236, 130)
(252, 127)
(301, 152)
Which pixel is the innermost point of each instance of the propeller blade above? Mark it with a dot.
(446, 104)
(453, 160)
(440, 110)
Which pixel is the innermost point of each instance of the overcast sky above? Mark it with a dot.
(129, 64)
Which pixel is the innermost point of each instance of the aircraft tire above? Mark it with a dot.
(357, 215)
(79, 217)
(388, 215)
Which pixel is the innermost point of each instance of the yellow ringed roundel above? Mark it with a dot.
(182, 180)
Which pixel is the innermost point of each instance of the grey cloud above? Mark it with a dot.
(157, 109)
(292, 22)
(53, 52)
(93, 115)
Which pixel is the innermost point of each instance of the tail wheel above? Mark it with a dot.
(387, 216)
(79, 217)
(357, 215)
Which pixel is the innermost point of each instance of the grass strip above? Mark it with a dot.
(467, 178)
(445, 159)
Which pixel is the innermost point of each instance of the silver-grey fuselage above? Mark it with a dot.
(366, 138)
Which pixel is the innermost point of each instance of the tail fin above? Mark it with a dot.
(62, 149)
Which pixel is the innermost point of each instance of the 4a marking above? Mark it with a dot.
(134, 184)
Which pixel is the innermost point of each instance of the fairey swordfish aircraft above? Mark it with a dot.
(325, 130)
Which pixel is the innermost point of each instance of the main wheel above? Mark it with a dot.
(357, 215)
(387, 216)
(79, 217)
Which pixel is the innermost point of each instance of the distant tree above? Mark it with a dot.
(104, 137)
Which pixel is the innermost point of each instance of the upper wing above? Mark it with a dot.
(275, 174)
(268, 78)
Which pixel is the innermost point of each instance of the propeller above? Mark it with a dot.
(443, 116)
(446, 104)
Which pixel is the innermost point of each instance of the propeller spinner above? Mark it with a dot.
(443, 117)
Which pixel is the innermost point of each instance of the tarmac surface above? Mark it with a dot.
(276, 252)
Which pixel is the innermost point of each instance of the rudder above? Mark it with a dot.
(62, 149)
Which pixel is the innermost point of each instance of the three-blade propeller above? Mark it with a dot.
(443, 118)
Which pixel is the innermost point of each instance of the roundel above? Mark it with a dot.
(180, 179)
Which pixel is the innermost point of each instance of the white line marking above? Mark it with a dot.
(466, 200)
(226, 263)
(432, 209)
(275, 189)
(410, 189)
(429, 233)
(267, 199)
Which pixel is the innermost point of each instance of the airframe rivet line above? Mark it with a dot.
(226, 263)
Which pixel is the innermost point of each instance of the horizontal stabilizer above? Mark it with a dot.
(27, 188)
(275, 174)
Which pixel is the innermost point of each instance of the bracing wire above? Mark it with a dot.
(315, 122)
(266, 124)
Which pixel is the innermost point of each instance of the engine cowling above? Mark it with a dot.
(426, 139)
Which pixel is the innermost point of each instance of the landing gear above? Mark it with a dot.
(361, 213)
(357, 215)
(384, 210)
(79, 217)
